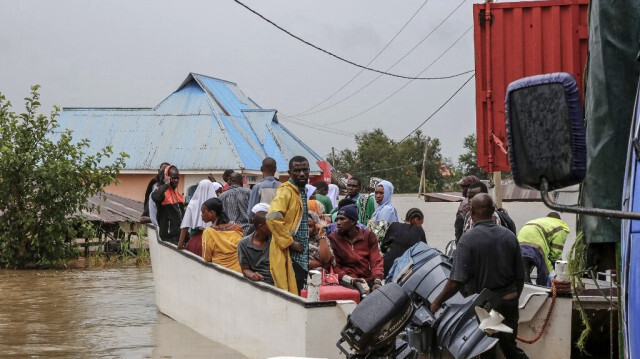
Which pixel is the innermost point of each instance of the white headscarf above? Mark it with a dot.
(385, 210)
(311, 189)
(333, 194)
(216, 186)
(193, 216)
(260, 207)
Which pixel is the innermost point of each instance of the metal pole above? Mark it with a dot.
(489, 83)
(497, 189)
(598, 212)
(333, 154)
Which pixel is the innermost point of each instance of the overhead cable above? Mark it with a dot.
(439, 108)
(370, 62)
(307, 113)
(342, 58)
(300, 122)
(406, 84)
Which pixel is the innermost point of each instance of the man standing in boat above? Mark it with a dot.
(265, 190)
(488, 256)
(288, 221)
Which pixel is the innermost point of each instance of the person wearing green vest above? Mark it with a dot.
(366, 203)
(322, 188)
(541, 244)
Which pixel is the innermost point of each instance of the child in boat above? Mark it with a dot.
(253, 251)
(320, 254)
(220, 241)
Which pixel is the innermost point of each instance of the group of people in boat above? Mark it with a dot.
(276, 232)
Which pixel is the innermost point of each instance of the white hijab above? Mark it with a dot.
(333, 194)
(311, 189)
(193, 216)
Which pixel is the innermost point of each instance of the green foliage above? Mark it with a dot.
(577, 266)
(398, 162)
(45, 180)
(468, 161)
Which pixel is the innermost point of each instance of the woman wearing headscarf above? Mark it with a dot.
(220, 241)
(192, 221)
(385, 211)
(312, 204)
(333, 194)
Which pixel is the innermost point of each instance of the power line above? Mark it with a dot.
(314, 126)
(405, 85)
(338, 57)
(390, 67)
(370, 62)
(439, 108)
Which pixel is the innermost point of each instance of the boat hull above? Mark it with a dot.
(255, 319)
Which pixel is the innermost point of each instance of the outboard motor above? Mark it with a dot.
(395, 321)
(374, 324)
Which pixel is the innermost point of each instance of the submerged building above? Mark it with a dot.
(206, 126)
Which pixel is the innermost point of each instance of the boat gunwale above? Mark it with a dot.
(264, 287)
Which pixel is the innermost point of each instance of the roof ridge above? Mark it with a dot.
(213, 78)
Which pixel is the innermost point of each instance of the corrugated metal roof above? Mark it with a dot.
(206, 124)
(114, 209)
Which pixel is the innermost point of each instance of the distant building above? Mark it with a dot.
(206, 126)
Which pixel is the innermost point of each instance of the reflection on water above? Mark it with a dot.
(108, 313)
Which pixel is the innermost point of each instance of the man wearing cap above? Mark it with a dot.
(464, 207)
(356, 252)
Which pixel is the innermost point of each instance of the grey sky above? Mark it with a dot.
(128, 53)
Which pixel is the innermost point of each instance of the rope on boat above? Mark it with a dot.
(556, 286)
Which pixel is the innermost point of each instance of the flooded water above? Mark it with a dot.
(105, 313)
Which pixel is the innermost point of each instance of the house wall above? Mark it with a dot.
(134, 185)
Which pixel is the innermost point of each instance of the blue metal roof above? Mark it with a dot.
(206, 124)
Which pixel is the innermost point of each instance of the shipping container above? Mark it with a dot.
(519, 39)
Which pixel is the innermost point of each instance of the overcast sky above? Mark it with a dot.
(106, 53)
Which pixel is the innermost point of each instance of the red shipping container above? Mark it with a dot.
(514, 40)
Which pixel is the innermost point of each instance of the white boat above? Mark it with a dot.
(255, 319)
(261, 321)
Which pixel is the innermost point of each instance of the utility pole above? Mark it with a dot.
(422, 186)
(333, 154)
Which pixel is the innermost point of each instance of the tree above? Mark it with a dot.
(398, 162)
(468, 161)
(45, 180)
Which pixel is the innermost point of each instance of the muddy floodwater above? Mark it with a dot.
(103, 313)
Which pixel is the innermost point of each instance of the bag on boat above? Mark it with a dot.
(330, 289)
(329, 278)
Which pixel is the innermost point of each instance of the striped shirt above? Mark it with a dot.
(302, 235)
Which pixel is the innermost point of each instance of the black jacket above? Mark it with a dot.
(169, 216)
